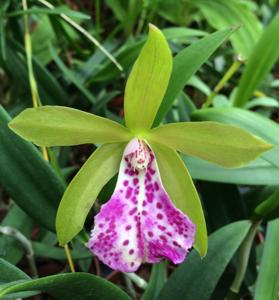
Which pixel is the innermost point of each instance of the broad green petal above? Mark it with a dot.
(147, 82)
(64, 126)
(180, 187)
(225, 145)
(83, 190)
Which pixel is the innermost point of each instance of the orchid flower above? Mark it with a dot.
(154, 211)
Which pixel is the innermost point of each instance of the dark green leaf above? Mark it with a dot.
(69, 286)
(186, 63)
(196, 278)
(27, 177)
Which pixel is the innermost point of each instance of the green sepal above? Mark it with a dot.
(225, 145)
(147, 82)
(64, 126)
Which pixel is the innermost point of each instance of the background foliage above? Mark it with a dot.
(236, 84)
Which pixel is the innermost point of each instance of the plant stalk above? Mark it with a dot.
(227, 76)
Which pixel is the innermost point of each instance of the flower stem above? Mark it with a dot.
(243, 255)
(233, 68)
(25, 243)
(69, 257)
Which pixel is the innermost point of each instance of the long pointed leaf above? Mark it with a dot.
(27, 177)
(186, 63)
(264, 55)
(267, 284)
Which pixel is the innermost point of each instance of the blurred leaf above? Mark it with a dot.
(70, 75)
(10, 249)
(83, 190)
(250, 121)
(225, 145)
(173, 33)
(259, 172)
(267, 284)
(61, 126)
(50, 90)
(222, 14)
(186, 63)
(262, 101)
(47, 251)
(147, 82)
(227, 198)
(196, 278)
(69, 286)
(54, 11)
(10, 272)
(182, 191)
(156, 281)
(27, 177)
(264, 55)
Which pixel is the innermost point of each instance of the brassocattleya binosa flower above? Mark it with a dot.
(140, 222)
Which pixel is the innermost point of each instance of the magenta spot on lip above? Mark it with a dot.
(159, 205)
(128, 192)
(131, 251)
(126, 242)
(150, 233)
(132, 211)
(135, 181)
(126, 182)
(159, 216)
(128, 227)
(156, 186)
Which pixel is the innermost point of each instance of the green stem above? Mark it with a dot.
(243, 255)
(227, 76)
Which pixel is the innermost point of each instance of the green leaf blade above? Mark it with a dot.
(147, 82)
(181, 190)
(185, 65)
(262, 59)
(64, 126)
(69, 286)
(268, 280)
(196, 278)
(225, 145)
(36, 188)
(83, 190)
(222, 14)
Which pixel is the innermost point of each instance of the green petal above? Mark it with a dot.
(63, 126)
(147, 82)
(180, 187)
(83, 190)
(225, 145)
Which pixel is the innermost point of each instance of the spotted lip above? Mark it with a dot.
(139, 223)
